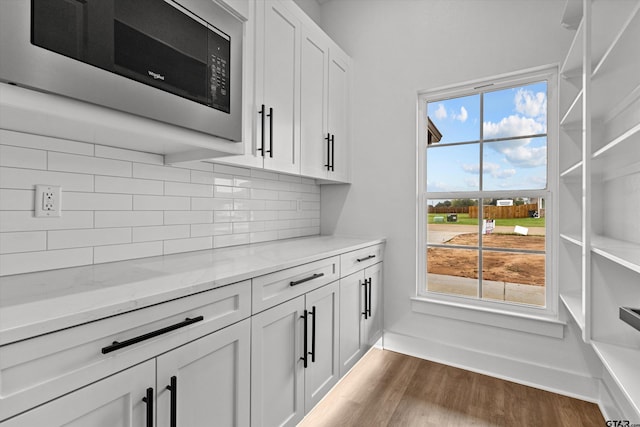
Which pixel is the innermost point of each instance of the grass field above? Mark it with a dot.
(463, 219)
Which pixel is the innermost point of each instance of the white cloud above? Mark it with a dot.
(513, 125)
(526, 157)
(493, 169)
(472, 182)
(462, 117)
(504, 174)
(531, 104)
(471, 168)
(441, 112)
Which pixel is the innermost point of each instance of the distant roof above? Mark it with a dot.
(433, 133)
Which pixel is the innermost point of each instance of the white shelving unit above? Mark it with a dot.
(599, 254)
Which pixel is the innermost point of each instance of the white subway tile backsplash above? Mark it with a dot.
(231, 170)
(211, 229)
(44, 260)
(187, 245)
(187, 189)
(211, 204)
(19, 157)
(160, 203)
(63, 239)
(105, 219)
(76, 201)
(25, 221)
(160, 232)
(108, 184)
(64, 162)
(28, 178)
(249, 205)
(45, 143)
(129, 155)
(188, 217)
(26, 241)
(231, 240)
(16, 200)
(120, 204)
(163, 173)
(128, 251)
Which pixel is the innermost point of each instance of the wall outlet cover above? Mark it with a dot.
(48, 201)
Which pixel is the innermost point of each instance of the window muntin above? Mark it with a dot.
(512, 151)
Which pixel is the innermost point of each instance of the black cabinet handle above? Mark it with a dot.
(305, 353)
(270, 115)
(365, 258)
(366, 299)
(173, 388)
(313, 334)
(328, 139)
(148, 399)
(118, 345)
(261, 112)
(369, 308)
(333, 151)
(306, 279)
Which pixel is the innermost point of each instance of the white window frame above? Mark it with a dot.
(521, 78)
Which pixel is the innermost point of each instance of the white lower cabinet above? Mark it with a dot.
(115, 401)
(203, 382)
(291, 369)
(207, 381)
(360, 314)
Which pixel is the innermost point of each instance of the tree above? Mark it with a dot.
(463, 203)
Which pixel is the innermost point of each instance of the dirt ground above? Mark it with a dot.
(499, 266)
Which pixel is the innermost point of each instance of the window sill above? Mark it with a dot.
(540, 325)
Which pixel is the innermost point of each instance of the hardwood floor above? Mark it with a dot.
(392, 389)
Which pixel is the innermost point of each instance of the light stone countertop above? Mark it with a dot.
(37, 303)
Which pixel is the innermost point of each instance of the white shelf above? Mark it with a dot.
(573, 116)
(572, 172)
(624, 253)
(618, 64)
(623, 365)
(629, 138)
(29, 111)
(573, 302)
(572, 65)
(573, 238)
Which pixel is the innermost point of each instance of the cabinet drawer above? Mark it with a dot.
(278, 287)
(39, 369)
(351, 262)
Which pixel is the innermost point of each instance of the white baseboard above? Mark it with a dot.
(519, 371)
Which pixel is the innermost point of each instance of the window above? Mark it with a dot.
(486, 167)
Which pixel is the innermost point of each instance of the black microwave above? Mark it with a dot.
(177, 62)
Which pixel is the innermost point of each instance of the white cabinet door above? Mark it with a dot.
(314, 139)
(351, 320)
(323, 367)
(277, 371)
(209, 380)
(279, 83)
(338, 115)
(115, 401)
(373, 324)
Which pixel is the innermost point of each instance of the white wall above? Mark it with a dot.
(400, 47)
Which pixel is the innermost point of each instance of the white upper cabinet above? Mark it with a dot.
(324, 108)
(299, 112)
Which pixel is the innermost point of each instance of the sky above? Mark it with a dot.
(508, 165)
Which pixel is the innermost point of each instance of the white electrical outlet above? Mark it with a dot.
(48, 201)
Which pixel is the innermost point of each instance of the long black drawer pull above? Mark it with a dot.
(118, 345)
(306, 279)
(173, 388)
(305, 357)
(262, 120)
(148, 399)
(333, 152)
(370, 292)
(365, 258)
(328, 139)
(366, 300)
(313, 334)
(270, 115)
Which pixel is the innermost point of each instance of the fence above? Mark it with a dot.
(448, 209)
(502, 212)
